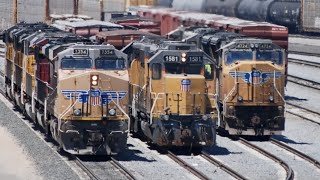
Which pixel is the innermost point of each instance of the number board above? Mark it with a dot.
(81, 52)
(242, 46)
(195, 59)
(265, 46)
(107, 52)
(171, 58)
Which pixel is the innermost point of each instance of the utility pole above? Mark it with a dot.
(101, 10)
(75, 7)
(47, 10)
(15, 11)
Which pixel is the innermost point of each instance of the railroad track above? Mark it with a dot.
(222, 166)
(84, 168)
(289, 171)
(307, 111)
(304, 62)
(122, 169)
(305, 53)
(296, 152)
(184, 164)
(304, 82)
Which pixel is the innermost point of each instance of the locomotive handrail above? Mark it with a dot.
(229, 94)
(117, 104)
(66, 111)
(275, 87)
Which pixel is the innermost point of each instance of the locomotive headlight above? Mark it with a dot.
(183, 59)
(231, 110)
(271, 99)
(112, 112)
(94, 83)
(240, 98)
(94, 78)
(252, 45)
(77, 112)
(166, 117)
(184, 55)
(204, 117)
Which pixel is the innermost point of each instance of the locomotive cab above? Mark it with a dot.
(251, 93)
(171, 100)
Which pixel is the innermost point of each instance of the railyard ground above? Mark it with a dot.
(24, 155)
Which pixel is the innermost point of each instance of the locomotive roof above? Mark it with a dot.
(85, 23)
(104, 34)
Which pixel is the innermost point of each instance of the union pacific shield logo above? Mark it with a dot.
(95, 98)
(185, 85)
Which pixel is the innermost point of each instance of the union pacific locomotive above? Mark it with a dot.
(75, 90)
(250, 84)
(172, 93)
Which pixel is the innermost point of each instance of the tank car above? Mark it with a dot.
(172, 97)
(76, 91)
(286, 13)
(250, 84)
(188, 5)
(225, 7)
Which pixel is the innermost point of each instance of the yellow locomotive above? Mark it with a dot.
(171, 93)
(250, 84)
(76, 91)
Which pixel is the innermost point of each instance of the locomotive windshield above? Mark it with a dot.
(76, 63)
(274, 56)
(178, 68)
(110, 63)
(234, 56)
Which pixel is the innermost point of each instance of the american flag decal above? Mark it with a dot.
(256, 79)
(185, 85)
(95, 98)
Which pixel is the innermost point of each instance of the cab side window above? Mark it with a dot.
(156, 71)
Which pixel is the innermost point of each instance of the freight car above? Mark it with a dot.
(251, 83)
(297, 15)
(74, 90)
(172, 94)
(172, 19)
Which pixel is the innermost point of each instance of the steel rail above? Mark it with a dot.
(123, 169)
(84, 168)
(289, 171)
(304, 62)
(306, 80)
(304, 53)
(187, 166)
(296, 152)
(301, 116)
(222, 166)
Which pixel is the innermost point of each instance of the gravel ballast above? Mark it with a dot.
(49, 164)
(245, 160)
